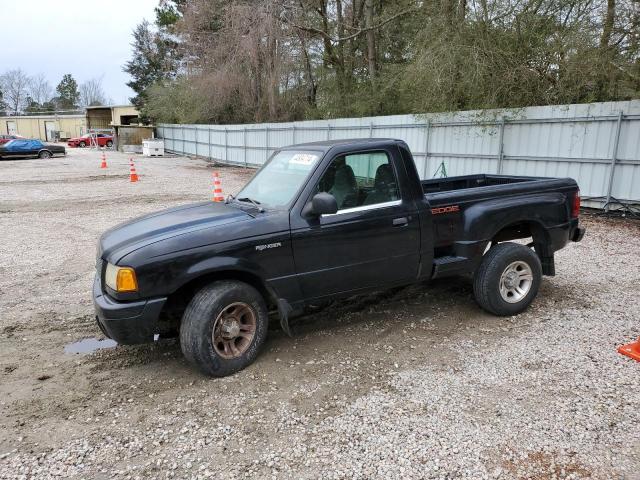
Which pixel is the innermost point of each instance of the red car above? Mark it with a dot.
(104, 140)
(8, 138)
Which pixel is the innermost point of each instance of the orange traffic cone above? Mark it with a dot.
(133, 176)
(631, 350)
(104, 161)
(217, 188)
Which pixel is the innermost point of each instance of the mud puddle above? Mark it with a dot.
(89, 345)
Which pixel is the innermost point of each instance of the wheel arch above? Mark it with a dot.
(524, 228)
(541, 240)
(178, 300)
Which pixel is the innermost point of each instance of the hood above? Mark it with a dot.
(159, 226)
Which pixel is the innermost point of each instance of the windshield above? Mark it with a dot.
(10, 142)
(277, 182)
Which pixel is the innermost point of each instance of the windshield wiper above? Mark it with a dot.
(254, 202)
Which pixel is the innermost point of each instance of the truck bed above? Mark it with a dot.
(449, 197)
(470, 181)
(469, 188)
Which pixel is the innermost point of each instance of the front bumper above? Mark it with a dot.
(127, 323)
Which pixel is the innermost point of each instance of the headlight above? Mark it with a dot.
(121, 279)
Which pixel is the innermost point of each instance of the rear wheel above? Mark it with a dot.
(109, 144)
(44, 154)
(82, 144)
(508, 279)
(223, 327)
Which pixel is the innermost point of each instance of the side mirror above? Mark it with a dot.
(323, 203)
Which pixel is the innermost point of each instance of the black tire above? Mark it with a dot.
(200, 316)
(109, 144)
(487, 278)
(82, 144)
(44, 154)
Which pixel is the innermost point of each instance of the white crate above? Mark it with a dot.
(153, 147)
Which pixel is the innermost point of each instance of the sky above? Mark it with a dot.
(87, 38)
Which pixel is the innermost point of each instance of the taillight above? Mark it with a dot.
(575, 207)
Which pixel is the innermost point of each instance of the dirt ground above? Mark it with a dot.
(411, 383)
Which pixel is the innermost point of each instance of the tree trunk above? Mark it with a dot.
(371, 40)
(311, 83)
(606, 52)
(607, 27)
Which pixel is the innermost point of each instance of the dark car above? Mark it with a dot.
(29, 149)
(322, 221)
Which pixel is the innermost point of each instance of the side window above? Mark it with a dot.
(35, 144)
(360, 179)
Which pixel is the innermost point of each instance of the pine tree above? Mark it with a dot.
(155, 57)
(68, 94)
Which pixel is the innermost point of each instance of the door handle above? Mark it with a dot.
(400, 222)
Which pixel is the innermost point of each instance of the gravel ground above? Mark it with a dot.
(410, 383)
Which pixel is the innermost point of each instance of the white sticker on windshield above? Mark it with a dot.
(303, 159)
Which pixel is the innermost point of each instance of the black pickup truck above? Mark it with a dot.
(320, 221)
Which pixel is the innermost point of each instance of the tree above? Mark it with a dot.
(156, 57)
(91, 93)
(68, 94)
(275, 60)
(2, 104)
(40, 90)
(14, 87)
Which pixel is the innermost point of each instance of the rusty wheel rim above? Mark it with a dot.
(233, 330)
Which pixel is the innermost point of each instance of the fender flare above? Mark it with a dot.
(479, 220)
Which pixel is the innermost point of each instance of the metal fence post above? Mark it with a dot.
(209, 149)
(183, 140)
(244, 145)
(371, 130)
(266, 157)
(226, 145)
(426, 149)
(329, 131)
(293, 135)
(614, 157)
(501, 146)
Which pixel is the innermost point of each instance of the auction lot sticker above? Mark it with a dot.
(303, 159)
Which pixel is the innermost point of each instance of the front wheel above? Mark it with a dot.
(508, 279)
(82, 144)
(109, 144)
(223, 327)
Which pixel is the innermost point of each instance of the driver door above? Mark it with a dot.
(373, 239)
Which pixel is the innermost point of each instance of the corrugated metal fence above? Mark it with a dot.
(597, 144)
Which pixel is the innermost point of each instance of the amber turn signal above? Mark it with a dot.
(126, 281)
(121, 279)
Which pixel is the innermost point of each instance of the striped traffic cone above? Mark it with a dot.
(104, 161)
(217, 188)
(133, 176)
